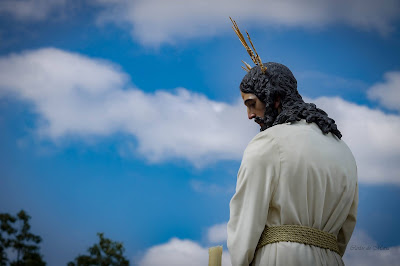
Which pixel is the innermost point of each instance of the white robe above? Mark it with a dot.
(293, 174)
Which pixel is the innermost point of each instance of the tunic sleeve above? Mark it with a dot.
(256, 181)
(347, 229)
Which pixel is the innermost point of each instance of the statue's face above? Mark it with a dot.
(255, 107)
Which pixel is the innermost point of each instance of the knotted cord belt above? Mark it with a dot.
(300, 234)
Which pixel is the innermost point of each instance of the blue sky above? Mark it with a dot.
(124, 117)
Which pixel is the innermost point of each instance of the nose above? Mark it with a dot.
(251, 115)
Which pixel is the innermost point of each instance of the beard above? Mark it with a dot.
(268, 120)
(261, 122)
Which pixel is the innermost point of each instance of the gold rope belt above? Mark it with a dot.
(300, 234)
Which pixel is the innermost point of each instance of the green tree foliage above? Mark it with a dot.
(15, 236)
(6, 232)
(105, 253)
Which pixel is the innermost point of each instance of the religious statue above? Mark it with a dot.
(297, 191)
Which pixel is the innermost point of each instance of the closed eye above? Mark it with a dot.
(250, 103)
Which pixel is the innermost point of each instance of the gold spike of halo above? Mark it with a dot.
(248, 67)
(253, 55)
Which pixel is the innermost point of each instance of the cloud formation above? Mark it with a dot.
(187, 252)
(217, 233)
(73, 95)
(387, 93)
(153, 22)
(31, 10)
(177, 252)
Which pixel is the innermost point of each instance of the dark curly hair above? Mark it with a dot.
(278, 81)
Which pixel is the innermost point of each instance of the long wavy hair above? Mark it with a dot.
(278, 81)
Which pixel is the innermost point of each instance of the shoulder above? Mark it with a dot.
(281, 139)
(261, 160)
(270, 138)
(264, 146)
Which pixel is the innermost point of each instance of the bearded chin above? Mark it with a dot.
(268, 120)
(261, 121)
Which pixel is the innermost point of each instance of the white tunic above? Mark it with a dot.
(293, 174)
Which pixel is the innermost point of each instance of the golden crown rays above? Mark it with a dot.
(253, 55)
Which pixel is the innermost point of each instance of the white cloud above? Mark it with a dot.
(187, 252)
(364, 251)
(217, 233)
(178, 252)
(153, 22)
(77, 96)
(31, 9)
(372, 136)
(387, 93)
(74, 95)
